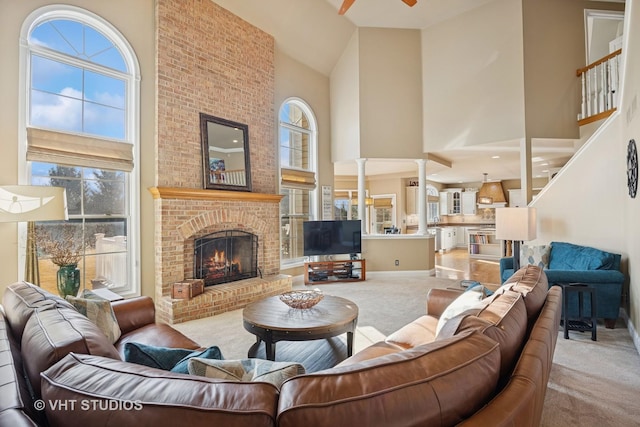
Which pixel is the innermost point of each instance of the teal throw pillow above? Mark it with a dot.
(166, 358)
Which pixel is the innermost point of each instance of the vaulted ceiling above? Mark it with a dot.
(312, 32)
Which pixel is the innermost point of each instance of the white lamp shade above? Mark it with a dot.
(32, 203)
(516, 224)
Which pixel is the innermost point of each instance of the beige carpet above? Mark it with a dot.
(592, 383)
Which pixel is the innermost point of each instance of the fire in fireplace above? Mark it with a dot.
(225, 256)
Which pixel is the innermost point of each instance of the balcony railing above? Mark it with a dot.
(599, 83)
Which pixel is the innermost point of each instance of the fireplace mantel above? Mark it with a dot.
(200, 194)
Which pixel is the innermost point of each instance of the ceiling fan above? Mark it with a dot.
(346, 4)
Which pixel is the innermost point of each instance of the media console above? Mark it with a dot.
(320, 272)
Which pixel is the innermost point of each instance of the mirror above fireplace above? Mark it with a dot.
(225, 154)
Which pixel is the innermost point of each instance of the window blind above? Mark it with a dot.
(78, 150)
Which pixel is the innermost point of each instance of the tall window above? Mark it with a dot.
(384, 217)
(297, 137)
(433, 203)
(81, 124)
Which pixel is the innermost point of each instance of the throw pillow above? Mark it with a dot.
(99, 311)
(467, 300)
(246, 370)
(166, 358)
(535, 255)
(479, 287)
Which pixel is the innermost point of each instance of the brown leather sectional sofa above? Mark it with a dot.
(488, 366)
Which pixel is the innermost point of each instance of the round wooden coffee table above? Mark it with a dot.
(271, 320)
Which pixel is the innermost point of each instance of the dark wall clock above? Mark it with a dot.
(632, 168)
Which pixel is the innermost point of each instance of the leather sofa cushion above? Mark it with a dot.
(420, 331)
(378, 349)
(532, 283)
(52, 333)
(503, 319)
(161, 397)
(21, 299)
(16, 408)
(440, 383)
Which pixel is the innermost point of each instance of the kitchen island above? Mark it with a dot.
(399, 252)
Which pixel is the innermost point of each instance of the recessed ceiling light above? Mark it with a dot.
(545, 170)
(495, 157)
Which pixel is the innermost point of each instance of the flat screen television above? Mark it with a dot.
(332, 237)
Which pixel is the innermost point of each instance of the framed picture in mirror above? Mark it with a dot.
(225, 154)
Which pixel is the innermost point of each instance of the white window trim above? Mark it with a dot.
(60, 11)
(313, 161)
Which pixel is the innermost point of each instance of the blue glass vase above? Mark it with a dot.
(68, 280)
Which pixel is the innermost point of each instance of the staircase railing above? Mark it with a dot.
(599, 83)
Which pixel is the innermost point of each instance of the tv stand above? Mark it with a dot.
(321, 272)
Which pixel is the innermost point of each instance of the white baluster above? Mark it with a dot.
(583, 106)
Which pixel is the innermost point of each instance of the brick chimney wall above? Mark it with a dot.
(210, 61)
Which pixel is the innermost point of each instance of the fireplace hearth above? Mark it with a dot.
(225, 256)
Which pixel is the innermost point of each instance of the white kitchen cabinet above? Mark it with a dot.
(461, 237)
(449, 237)
(451, 201)
(469, 203)
(411, 205)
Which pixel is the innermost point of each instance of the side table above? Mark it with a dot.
(580, 322)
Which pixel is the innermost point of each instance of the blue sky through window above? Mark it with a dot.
(70, 97)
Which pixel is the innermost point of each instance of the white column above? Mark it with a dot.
(362, 200)
(422, 196)
(526, 175)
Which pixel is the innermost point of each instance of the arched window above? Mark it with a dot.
(81, 126)
(298, 165)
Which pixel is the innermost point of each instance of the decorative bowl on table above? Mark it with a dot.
(302, 299)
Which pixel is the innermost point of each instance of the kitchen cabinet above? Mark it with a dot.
(448, 238)
(469, 203)
(451, 201)
(411, 203)
(461, 237)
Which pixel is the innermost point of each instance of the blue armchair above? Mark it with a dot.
(569, 263)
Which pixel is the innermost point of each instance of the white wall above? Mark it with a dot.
(390, 93)
(588, 202)
(473, 88)
(630, 128)
(345, 104)
(580, 204)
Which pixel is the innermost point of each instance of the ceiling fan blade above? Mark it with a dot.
(410, 3)
(346, 4)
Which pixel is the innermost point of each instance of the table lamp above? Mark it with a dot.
(517, 224)
(30, 203)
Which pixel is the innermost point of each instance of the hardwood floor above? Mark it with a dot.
(456, 264)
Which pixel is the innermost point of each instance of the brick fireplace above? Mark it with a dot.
(187, 214)
(211, 61)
